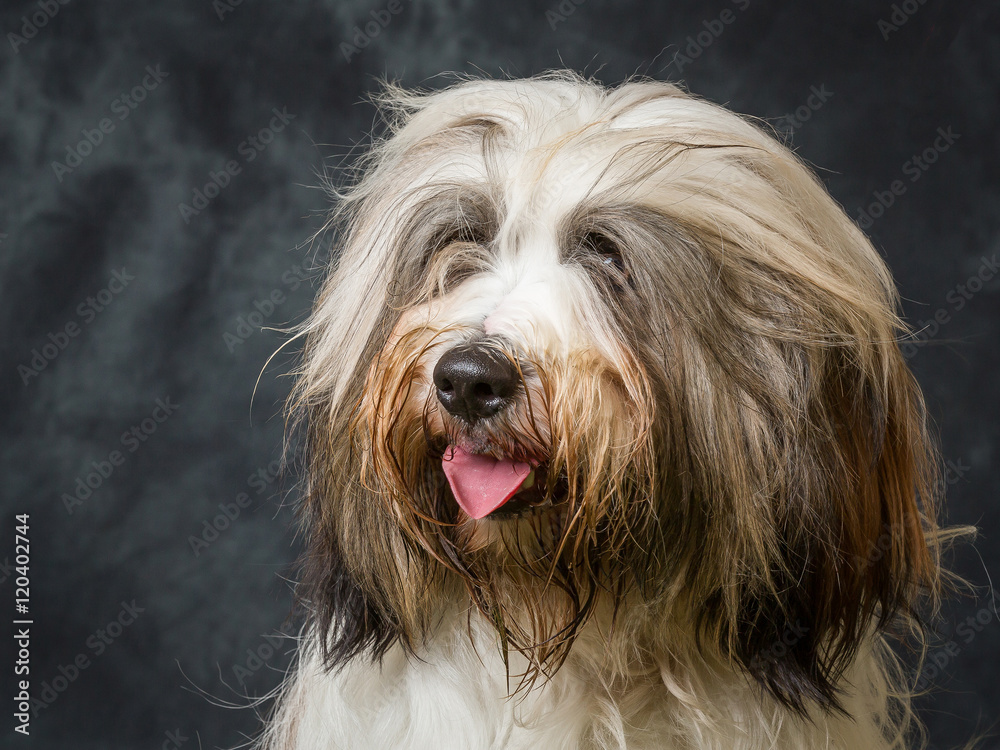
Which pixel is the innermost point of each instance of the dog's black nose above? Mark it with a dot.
(475, 381)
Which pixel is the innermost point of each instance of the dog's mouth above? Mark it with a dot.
(498, 488)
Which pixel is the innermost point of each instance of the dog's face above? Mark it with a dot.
(591, 351)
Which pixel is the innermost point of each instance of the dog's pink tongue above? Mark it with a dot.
(481, 484)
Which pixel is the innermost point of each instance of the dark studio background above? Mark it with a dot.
(164, 335)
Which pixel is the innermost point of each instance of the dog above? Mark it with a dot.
(608, 440)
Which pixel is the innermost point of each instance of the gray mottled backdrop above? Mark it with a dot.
(157, 171)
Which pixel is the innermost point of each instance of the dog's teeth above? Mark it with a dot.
(529, 481)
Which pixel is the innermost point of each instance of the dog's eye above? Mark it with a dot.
(464, 234)
(448, 244)
(454, 255)
(608, 253)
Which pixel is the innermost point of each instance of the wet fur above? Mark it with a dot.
(709, 357)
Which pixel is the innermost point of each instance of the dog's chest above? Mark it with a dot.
(454, 695)
(457, 698)
(459, 705)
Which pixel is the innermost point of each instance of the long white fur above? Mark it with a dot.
(560, 139)
(456, 697)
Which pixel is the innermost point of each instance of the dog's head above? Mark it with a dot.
(591, 350)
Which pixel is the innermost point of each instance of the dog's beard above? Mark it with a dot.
(538, 566)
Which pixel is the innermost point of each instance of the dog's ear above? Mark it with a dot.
(351, 579)
(360, 576)
(355, 582)
(348, 619)
(352, 620)
(853, 537)
(834, 539)
(800, 484)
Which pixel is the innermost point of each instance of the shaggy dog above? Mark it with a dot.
(609, 440)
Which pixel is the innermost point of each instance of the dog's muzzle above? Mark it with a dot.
(476, 381)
